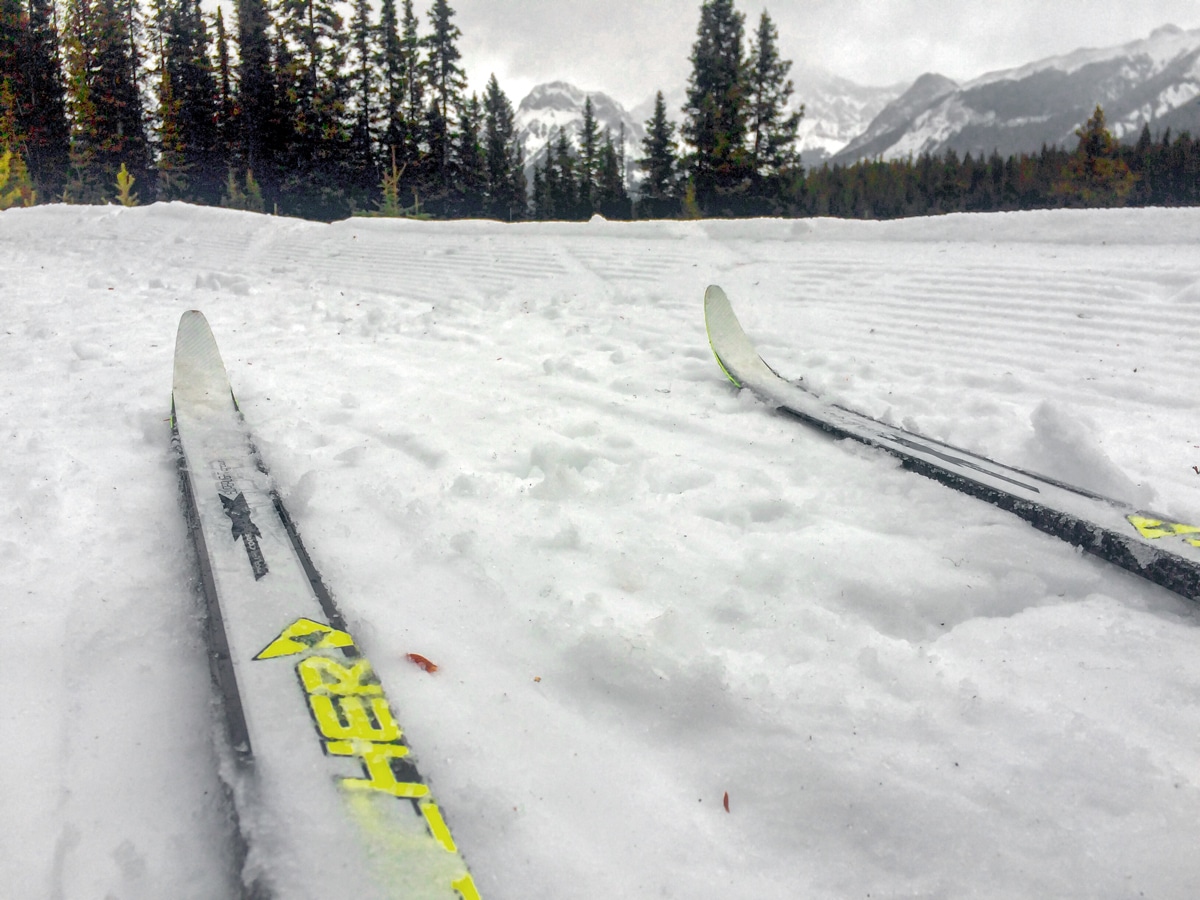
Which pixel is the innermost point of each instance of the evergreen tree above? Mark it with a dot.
(660, 186)
(192, 161)
(469, 168)
(225, 101)
(589, 149)
(770, 126)
(611, 199)
(446, 81)
(29, 64)
(1095, 174)
(542, 208)
(257, 119)
(716, 111)
(109, 122)
(313, 69)
(364, 40)
(391, 74)
(410, 40)
(16, 187)
(505, 165)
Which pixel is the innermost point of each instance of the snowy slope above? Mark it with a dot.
(509, 450)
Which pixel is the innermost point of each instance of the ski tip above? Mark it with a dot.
(717, 315)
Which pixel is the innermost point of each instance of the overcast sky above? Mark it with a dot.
(630, 48)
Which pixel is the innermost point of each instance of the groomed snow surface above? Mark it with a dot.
(509, 450)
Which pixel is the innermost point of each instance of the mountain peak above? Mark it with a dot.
(1153, 80)
(557, 107)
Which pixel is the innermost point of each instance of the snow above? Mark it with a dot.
(1164, 46)
(509, 450)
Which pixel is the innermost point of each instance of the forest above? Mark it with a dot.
(324, 110)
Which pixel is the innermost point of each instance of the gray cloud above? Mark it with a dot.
(630, 48)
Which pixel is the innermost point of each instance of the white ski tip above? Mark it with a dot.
(199, 376)
(735, 354)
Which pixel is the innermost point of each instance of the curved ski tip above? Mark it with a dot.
(714, 292)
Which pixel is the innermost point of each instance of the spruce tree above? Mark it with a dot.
(660, 186)
(192, 159)
(29, 64)
(391, 76)
(770, 126)
(589, 149)
(565, 194)
(226, 123)
(541, 204)
(414, 85)
(1095, 174)
(109, 122)
(611, 199)
(16, 187)
(716, 110)
(469, 168)
(505, 166)
(317, 175)
(446, 80)
(364, 54)
(257, 118)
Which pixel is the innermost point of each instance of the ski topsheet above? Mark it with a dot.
(1164, 552)
(327, 793)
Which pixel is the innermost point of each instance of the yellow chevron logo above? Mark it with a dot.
(302, 635)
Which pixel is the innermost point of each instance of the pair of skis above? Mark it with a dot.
(327, 792)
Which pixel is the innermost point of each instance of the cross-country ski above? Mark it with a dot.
(328, 797)
(1144, 542)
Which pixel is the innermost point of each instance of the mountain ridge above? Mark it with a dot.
(1152, 80)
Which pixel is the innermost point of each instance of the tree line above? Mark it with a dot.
(324, 109)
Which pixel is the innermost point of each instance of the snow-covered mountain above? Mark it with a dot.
(836, 110)
(1154, 80)
(558, 106)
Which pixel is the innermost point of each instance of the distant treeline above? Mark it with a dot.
(1162, 171)
(299, 110)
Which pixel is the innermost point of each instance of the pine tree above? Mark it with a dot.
(589, 149)
(109, 122)
(505, 166)
(29, 64)
(414, 86)
(391, 75)
(469, 168)
(1095, 174)
(257, 114)
(16, 187)
(365, 53)
(660, 187)
(540, 203)
(716, 110)
(771, 128)
(611, 199)
(192, 161)
(446, 81)
(317, 172)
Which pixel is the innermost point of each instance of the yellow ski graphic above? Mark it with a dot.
(1153, 529)
(302, 635)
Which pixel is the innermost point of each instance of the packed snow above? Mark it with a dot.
(509, 450)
